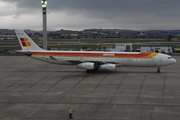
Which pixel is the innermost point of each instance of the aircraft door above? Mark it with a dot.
(45, 57)
(152, 61)
(82, 57)
(160, 58)
(41, 57)
(155, 60)
(129, 58)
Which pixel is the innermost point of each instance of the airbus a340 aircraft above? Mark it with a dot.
(92, 61)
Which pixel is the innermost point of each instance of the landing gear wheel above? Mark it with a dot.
(93, 71)
(96, 69)
(90, 71)
(158, 71)
(87, 71)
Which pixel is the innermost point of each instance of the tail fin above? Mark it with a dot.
(26, 42)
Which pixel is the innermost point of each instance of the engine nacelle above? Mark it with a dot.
(86, 65)
(108, 67)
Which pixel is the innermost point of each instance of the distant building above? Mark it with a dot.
(106, 48)
(167, 50)
(7, 37)
(122, 47)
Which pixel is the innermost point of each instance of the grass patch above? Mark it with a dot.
(69, 43)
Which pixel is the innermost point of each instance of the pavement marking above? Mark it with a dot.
(132, 105)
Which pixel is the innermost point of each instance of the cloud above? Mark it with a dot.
(80, 14)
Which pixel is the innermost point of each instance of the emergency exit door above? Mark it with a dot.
(160, 58)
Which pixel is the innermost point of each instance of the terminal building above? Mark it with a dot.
(127, 47)
(160, 49)
(122, 47)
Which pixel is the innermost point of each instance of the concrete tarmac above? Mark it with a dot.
(35, 90)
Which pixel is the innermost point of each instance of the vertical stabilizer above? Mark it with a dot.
(26, 42)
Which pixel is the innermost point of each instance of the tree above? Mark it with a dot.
(168, 37)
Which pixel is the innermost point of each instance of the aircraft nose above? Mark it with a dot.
(174, 61)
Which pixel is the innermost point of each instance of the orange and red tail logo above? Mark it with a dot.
(25, 42)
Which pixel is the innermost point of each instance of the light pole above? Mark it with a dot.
(44, 4)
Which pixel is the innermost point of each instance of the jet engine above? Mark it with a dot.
(108, 67)
(86, 65)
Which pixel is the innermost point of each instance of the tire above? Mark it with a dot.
(158, 71)
(96, 69)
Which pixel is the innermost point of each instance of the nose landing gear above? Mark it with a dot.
(158, 71)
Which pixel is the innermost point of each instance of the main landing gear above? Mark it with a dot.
(158, 71)
(92, 71)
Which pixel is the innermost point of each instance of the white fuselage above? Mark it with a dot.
(157, 61)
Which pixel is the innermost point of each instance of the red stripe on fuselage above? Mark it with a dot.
(75, 54)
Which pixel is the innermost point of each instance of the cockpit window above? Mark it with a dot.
(169, 57)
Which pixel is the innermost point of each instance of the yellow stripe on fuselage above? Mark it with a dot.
(151, 55)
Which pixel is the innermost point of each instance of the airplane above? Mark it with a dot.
(92, 61)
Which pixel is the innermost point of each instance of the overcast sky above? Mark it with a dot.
(85, 14)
